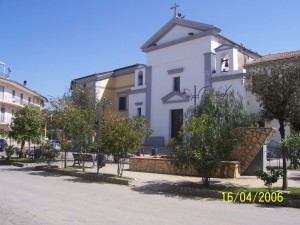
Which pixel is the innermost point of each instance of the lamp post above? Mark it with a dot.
(196, 95)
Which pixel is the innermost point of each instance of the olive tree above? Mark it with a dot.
(209, 134)
(203, 146)
(276, 87)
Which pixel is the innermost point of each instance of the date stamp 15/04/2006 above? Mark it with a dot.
(250, 197)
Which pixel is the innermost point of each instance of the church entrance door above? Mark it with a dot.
(176, 122)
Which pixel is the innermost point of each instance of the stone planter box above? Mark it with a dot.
(156, 164)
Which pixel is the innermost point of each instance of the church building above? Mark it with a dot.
(183, 59)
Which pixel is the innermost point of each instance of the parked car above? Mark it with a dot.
(3, 144)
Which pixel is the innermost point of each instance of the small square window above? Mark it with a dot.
(122, 103)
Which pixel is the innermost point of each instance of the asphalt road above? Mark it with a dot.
(33, 198)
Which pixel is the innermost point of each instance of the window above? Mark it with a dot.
(122, 103)
(12, 113)
(139, 111)
(176, 84)
(29, 100)
(13, 94)
(140, 78)
(21, 99)
(1, 92)
(2, 114)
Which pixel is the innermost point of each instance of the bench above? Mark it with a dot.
(84, 157)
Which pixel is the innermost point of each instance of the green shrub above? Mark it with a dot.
(48, 152)
(10, 151)
(269, 178)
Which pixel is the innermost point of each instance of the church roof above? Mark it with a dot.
(108, 74)
(150, 43)
(275, 57)
(202, 30)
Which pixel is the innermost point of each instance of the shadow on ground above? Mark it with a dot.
(168, 189)
(161, 187)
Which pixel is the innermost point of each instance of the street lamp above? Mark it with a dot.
(195, 95)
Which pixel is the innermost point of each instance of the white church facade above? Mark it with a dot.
(183, 58)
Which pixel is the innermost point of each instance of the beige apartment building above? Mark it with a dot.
(13, 96)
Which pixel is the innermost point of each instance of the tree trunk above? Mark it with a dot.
(205, 181)
(284, 164)
(66, 152)
(23, 152)
(83, 164)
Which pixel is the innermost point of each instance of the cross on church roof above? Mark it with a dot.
(174, 7)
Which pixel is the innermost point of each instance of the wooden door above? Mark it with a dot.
(176, 122)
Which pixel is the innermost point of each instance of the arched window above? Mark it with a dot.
(140, 78)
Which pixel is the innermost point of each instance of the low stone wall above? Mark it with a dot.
(228, 169)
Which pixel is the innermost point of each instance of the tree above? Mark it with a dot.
(224, 107)
(209, 134)
(276, 87)
(203, 146)
(27, 125)
(291, 146)
(76, 114)
(119, 135)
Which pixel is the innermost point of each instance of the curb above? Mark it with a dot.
(88, 176)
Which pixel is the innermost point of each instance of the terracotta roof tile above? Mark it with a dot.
(274, 57)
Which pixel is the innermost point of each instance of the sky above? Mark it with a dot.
(50, 42)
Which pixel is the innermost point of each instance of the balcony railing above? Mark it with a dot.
(8, 98)
(4, 75)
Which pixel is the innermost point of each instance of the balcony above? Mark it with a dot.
(5, 75)
(15, 101)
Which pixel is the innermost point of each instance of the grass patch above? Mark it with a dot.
(76, 169)
(71, 169)
(20, 160)
(114, 176)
